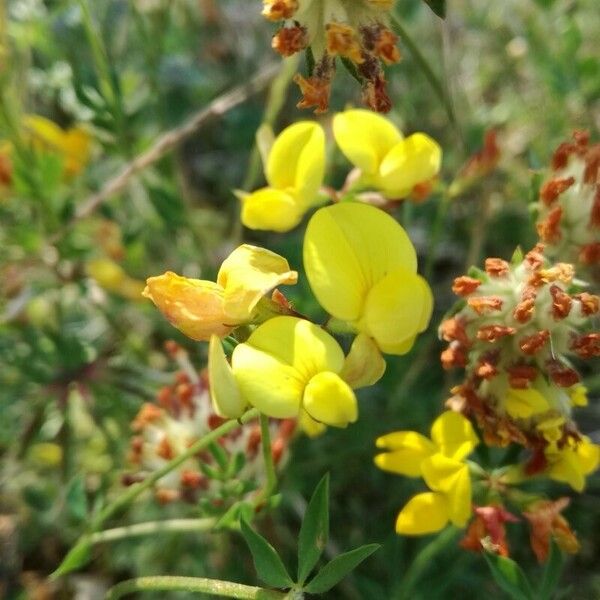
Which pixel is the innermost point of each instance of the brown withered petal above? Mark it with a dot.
(590, 304)
(315, 92)
(552, 189)
(531, 344)
(586, 346)
(549, 228)
(464, 285)
(289, 40)
(561, 374)
(492, 333)
(561, 302)
(521, 376)
(496, 267)
(485, 304)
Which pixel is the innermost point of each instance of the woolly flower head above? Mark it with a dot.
(569, 203)
(512, 336)
(354, 30)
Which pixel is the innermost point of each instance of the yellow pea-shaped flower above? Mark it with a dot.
(388, 162)
(289, 366)
(294, 171)
(362, 266)
(202, 308)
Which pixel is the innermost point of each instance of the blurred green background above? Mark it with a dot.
(77, 361)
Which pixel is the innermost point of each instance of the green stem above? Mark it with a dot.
(436, 83)
(198, 585)
(265, 441)
(135, 490)
(151, 528)
(436, 232)
(423, 562)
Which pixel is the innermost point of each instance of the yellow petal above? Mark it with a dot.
(588, 455)
(415, 160)
(194, 306)
(299, 343)
(44, 132)
(365, 138)
(247, 274)
(269, 209)
(297, 159)
(522, 404)
(578, 395)
(397, 308)
(309, 426)
(349, 247)
(224, 392)
(109, 274)
(266, 382)
(364, 364)
(454, 435)
(76, 147)
(330, 400)
(451, 478)
(408, 450)
(424, 513)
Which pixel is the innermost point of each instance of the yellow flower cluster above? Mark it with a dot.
(40, 135)
(385, 162)
(361, 267)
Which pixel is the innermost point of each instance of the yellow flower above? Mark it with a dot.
(439, 461)
(362, 268)
(111, 276)
(578, 395)
(572, 463)
(287, 367)
(452, 435)
(201, 308)
(72, 144)
(525, 403)
(294, 171)
(387, 161)
(449, 500)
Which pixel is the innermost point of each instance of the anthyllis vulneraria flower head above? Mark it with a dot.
(386, 161)
(181, 414)
(287, 368)
(362, 268)
(202, 308)
(519, 323)
(440, 461)
(294, 169)
(356, 31)
(569, 203)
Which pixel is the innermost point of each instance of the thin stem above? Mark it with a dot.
(423, 561)
(198, 585)
(265, 441)
(135, 490)
(436, 232)
(436, 83)
(151, 528)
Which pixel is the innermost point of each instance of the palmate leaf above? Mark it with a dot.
(267, 563)
(314, 531)
(438, 7)
(333, 572)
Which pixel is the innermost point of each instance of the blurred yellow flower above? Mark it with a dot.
(572, 463)
(362, 267)
(73, 144)
(294, 171)
(111, 276)
(387, 161)
(287, 367)
(524, 403)
(439, 461)
(202, 308)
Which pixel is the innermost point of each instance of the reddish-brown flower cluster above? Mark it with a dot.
(569, 203)
(180, 415)
(354, 31)
(518, 324)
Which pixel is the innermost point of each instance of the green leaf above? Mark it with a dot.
(76, 499)
(314, 531)
(77, 556)
(509, 576)
(438, 7)
(267, 563)
(333, 572)
(552, 572)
